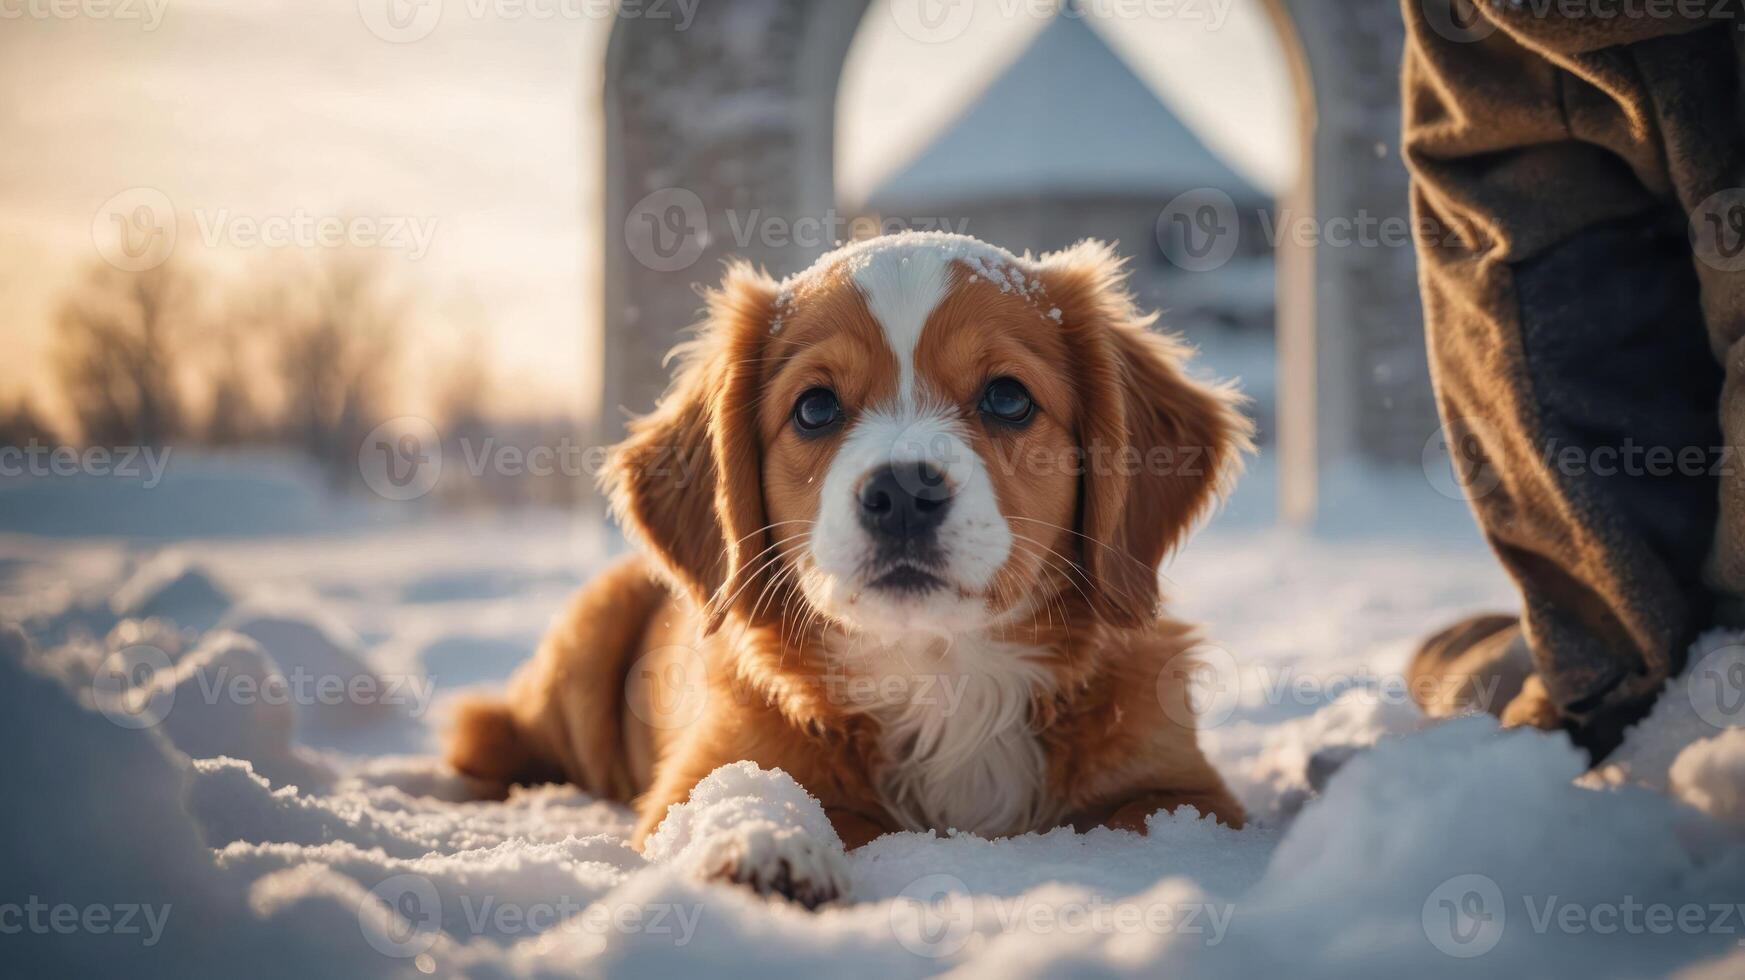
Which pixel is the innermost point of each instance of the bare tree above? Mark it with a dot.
(21, 425)
(119, 341)
(234, 412)
(335, 344)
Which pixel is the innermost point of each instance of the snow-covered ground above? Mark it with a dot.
(221, 710)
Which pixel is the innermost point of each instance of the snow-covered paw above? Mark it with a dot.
(758, 828)
(770, 861)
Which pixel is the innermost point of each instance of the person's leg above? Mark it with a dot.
(1573, 372)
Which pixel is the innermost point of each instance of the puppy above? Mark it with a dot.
(903, 515)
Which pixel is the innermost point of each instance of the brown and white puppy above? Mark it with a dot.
(904, 514)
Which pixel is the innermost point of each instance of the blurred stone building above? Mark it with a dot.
(736, 112)
(1068, 143)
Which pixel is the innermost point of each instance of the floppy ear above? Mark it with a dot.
(1159, 446)
(687, 479)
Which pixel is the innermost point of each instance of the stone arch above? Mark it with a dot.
(730, 122)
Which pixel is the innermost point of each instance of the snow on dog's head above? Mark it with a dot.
(925, 434)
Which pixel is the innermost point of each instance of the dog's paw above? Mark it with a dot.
(771, 861)
(757, 828)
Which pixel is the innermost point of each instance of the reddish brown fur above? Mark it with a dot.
(731, 624)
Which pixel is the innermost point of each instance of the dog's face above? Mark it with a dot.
(926, 434)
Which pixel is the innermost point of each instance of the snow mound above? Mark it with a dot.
(172, 587)
(95, 820)
(228, 698)
(1710, 775)
(1294, 758)
(1386, 844)
(1706, 699)
(333, 689)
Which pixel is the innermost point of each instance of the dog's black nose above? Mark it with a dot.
(904, 500)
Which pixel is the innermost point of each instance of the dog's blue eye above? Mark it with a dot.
(816, 410)
(1007, 400)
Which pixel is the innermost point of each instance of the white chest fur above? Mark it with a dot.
(956, 728)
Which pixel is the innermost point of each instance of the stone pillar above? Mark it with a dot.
(711, 133)
(1353, 379)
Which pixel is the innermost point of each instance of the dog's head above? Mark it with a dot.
(923, 433)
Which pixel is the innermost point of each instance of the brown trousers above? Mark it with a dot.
(1578, 188)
